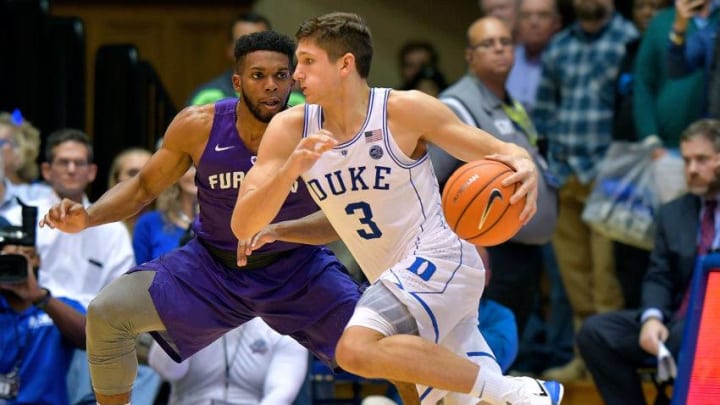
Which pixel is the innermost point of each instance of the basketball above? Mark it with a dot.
(477, 206)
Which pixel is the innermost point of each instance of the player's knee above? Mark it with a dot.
(104, 315)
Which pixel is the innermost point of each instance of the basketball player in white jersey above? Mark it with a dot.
(362, 153)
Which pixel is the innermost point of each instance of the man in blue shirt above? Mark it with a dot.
(38, 333)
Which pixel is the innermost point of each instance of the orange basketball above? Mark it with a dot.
(477, 205)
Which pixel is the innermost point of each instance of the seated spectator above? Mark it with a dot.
(20, 147)
(161, 230)
(38, 333)
(615, 344)
(251, 364)
(126, 165)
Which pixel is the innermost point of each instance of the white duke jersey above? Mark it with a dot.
(383, 204)
(386, 207)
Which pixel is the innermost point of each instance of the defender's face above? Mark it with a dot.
(264, 82)
(314, 72)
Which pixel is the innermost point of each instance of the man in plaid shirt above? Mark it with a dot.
(574, 112)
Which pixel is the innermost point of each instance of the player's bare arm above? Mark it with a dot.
(313, 229)
(184, 138)
(282, 157)
(416, 118)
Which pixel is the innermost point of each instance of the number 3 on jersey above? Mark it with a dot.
(365, 219)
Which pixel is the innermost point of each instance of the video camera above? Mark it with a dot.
(13, 267)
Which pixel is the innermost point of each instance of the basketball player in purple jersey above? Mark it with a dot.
(192, 296)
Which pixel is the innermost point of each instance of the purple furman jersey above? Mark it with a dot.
(220, 172)
(199, 292)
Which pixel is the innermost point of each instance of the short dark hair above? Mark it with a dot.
(263, 41)
(248, 17)
(67, 135)
(340, 33)
(707, 128)
(418, 45)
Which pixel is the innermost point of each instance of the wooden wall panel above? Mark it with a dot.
(185, 44)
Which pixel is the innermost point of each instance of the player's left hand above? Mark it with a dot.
(526, 173)
(245, 248)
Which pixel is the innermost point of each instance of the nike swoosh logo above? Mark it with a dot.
(542, 390)
(219, 148)
(494, 194)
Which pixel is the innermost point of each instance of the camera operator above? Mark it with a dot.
(38, 332)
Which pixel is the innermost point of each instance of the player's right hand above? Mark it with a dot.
(309, 150)
(67, 216)
(245, 248)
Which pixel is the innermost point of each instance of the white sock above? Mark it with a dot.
(492, 386)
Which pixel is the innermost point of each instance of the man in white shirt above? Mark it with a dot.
(250, 365)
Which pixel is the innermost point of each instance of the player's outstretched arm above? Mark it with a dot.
(164, 168)
(434, 122)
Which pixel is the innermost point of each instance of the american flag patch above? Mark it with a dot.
(374, 135)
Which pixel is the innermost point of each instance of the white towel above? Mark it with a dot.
(666, 368)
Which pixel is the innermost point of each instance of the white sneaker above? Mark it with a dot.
(539, 392)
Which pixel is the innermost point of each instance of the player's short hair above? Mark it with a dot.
(707, 128)
(263, 41)
(248, 17)
(339, 33)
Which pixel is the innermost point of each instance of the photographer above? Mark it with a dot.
(38, 332)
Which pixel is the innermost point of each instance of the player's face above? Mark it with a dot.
(314, 72)
(264, 82)
(701, 165)
(69, 172)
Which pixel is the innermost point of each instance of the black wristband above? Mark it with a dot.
(42, 303)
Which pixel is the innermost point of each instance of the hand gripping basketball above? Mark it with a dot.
(477, 206)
